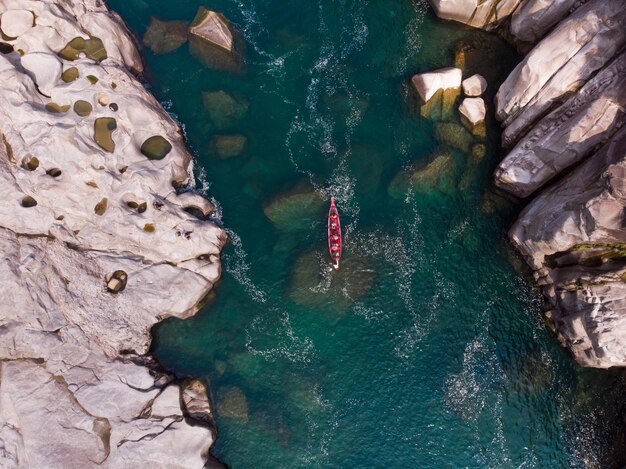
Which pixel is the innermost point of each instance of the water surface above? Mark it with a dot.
(427, 348)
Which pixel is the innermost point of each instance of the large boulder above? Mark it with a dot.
(473, 112)
(438, 91)
(474, 85)
(568, 134)
(213, 41)
(481, 14)
(573, 235)
(560, 64)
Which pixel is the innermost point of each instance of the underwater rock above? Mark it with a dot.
(295, 210)
(438, 91)
(156, 148)
(232, 403)
(473, 114)
(454, 135)
(474, 85)
(224, 109)
(228, 146)
(439, 174)
(103, 132)
(163, 37)
(213, 41)
(14, 23)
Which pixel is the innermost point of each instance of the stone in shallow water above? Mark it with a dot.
(439, 174)
(295, 210)
(69, 75)
(163, 37)
(228, 146)
(14, 23)
(213, 42)
(93, 48)
(454, 135)
(82, 108)
(438, 91)
(473, 112)
(232, 403)
(474, 85)
(156, 148)
(224, 109)
(314, 283)
(103, 133)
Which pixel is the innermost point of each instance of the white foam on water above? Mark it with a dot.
(286, 345)
(413, 34)
(237, 265)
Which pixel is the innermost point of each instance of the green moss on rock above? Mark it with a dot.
(149, 228)
(156, 148)
(92, 79)
(28, 201)
(103, 133)
(82, 108)
(101, 207)
(69, 75)
(55, 108)
(93, 48)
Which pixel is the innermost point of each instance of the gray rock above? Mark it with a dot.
(573, 235)
(568, 134)
(560, 64)
(534, 18)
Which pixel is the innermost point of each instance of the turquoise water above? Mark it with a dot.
(427, 348)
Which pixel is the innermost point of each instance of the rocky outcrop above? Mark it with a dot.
(568, 134)
(99, 243)
(573, 234)
(563, 106)
(214, 42)
(481, 14)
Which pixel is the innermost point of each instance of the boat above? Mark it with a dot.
(334, 234)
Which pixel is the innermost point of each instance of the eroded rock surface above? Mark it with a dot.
(76, 387)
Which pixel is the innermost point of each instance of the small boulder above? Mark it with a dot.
(163, 37)
(228, 146)
(473, 113)
(116, 281)
(14, 23)
(212, 41)
(438, 91)
(224, 109)
(102, 98)
(474, 85)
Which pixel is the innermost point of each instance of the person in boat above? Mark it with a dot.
(335, 238)
(333, 226)
(333, 216)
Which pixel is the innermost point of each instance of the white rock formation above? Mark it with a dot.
(427, 84)
(473, 112)
(14, 23)
(560, 64)
(75, 391)
(573, 235)
(534, 18)
(213, 42)
(474, 85)
(568, 134)
(480, 14)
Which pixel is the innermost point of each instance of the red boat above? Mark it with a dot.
(334, 234)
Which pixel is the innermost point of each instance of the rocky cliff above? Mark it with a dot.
(562, 109)
(101, 239)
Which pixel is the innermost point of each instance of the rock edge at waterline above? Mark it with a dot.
(99, 243)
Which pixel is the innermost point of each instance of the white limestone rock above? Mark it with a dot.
(473, 112)
(474, 85)
(438, 91)
(481, 14)
(534, 18)
(14, 23)
(560, 64)
(573, 235)
(71, 352)
(568, 134)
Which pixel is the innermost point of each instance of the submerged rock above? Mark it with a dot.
(213, 41)
(438, 91)
(224, 109)
(454, 135)
(228, 146)
(163, 37)
(232, 403)
(297, 210)
(439, 175)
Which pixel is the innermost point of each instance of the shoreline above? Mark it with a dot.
(100, 244)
